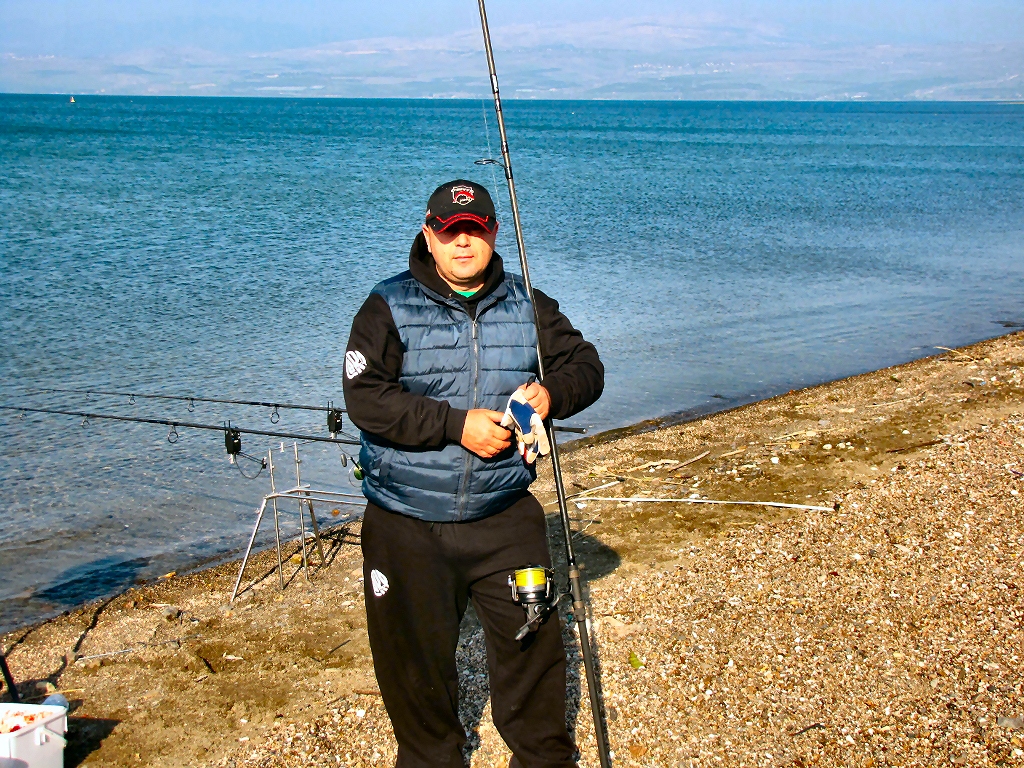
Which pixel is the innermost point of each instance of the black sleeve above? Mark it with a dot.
(574, 372)
(373, 394)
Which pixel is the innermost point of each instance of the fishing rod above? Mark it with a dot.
(172, 436)
(193, 399)
(333, 413)
(575, 586)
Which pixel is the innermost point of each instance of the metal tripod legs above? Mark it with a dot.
(306, 503)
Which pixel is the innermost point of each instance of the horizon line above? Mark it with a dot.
(333, 97)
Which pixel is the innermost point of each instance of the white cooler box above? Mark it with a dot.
(38, 743)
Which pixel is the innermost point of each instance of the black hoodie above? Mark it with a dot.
(377, 403)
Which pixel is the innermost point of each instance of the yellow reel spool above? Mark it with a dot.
(531, 577)
(532, 585)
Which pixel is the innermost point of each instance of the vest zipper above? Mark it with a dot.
(468, 463)
(476, 364)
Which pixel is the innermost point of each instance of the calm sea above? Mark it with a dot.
(715, 252)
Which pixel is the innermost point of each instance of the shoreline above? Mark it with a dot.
(566, 448)
(709, 410)
(211, 681)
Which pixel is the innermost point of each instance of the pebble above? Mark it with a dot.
(170, 612)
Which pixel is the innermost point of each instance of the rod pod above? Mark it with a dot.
(579, 608)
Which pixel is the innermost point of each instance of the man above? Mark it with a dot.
(434, 354)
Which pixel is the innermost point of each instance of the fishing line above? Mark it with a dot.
(489, 160)
(255, 460)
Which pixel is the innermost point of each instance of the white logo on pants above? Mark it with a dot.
(379, 582)
(355, 363)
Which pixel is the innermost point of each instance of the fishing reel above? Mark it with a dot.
(533, 587)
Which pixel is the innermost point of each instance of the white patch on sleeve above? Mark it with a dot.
(379, 582)
(355, 363)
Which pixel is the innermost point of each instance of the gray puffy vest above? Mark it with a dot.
(471, 364)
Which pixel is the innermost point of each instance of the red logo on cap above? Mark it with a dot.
(463, 195)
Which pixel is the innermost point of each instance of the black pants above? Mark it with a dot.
(418, 579)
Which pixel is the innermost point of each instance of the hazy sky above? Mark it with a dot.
(597, 48)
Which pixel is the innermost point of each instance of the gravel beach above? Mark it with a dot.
(876, 621)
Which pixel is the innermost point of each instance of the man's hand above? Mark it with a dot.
(538, 397)
(482, 435)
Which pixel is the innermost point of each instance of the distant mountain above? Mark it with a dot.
(605, 59)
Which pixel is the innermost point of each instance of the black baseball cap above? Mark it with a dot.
(461, 200)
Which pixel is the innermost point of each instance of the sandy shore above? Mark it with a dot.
(885, 629)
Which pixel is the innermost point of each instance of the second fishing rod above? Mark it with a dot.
(575, 582)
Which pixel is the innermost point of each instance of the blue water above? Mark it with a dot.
(221, 247)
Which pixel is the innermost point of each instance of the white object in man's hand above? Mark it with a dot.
(528, 425)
